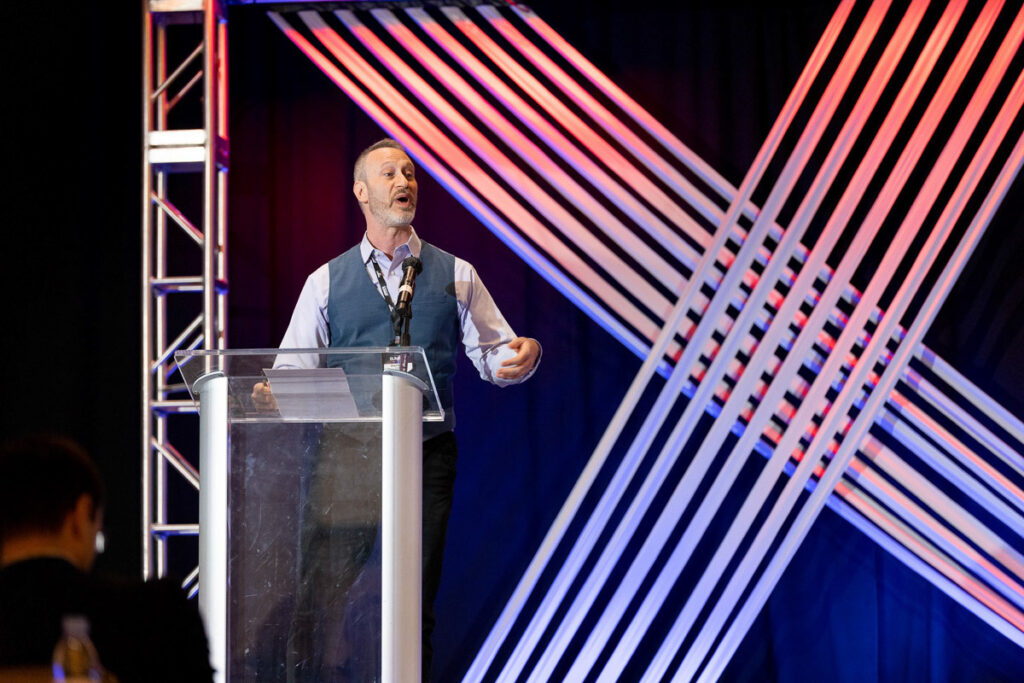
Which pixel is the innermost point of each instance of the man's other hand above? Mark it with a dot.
(527, 352)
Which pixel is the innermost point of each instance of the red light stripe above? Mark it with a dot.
(522, 145)
(638, 113)
(562, 146)
(597, 145)
(608, 121)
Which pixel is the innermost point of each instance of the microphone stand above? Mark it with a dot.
(402, 313)
(400, 318)
(400, 323)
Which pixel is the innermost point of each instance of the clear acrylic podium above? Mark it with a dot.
(310, 510)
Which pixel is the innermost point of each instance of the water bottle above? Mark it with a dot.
(75, 659)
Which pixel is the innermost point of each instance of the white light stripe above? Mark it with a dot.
(953, 515)
(608, 502)
(537, 625)
(602, 512)
(758, 496)
(503, 625)
(499, 631)
(709, 448)
(815, 398)
(971, 393)
(701, 461)
(940, 462)
(930, 393)
(922, 557)
(515, 662)
(957, 450)
(965, 188)
(595, 526)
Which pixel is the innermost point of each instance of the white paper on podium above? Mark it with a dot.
(312, 393)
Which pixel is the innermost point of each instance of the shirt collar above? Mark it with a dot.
(410, 248)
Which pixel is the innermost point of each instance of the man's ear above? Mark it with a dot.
(83, 515)
(80, 532)
(360, 191)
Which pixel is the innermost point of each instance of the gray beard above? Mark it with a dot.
(388, 217)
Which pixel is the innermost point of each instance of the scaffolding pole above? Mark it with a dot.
(184, 295)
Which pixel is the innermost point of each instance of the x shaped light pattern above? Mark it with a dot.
(790, 326)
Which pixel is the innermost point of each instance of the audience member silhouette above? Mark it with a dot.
(51, 513)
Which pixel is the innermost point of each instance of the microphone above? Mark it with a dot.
(411, 267)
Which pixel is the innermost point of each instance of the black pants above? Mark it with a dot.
(338, 596)
(439, 457)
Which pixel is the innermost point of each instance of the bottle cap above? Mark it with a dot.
(76, 625)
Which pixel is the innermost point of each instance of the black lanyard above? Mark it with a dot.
(383, 284)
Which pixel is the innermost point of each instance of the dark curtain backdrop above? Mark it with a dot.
(715, 74)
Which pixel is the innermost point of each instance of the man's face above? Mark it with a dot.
(388, 193)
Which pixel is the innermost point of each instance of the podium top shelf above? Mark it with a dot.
(309, 385)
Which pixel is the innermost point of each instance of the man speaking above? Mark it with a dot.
(349, 302)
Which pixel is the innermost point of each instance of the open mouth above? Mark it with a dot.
(403, 201)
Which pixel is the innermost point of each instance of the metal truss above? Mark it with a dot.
(184, 242)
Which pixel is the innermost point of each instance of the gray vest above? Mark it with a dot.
(359, 316)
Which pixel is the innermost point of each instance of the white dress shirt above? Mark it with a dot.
(485, 333)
